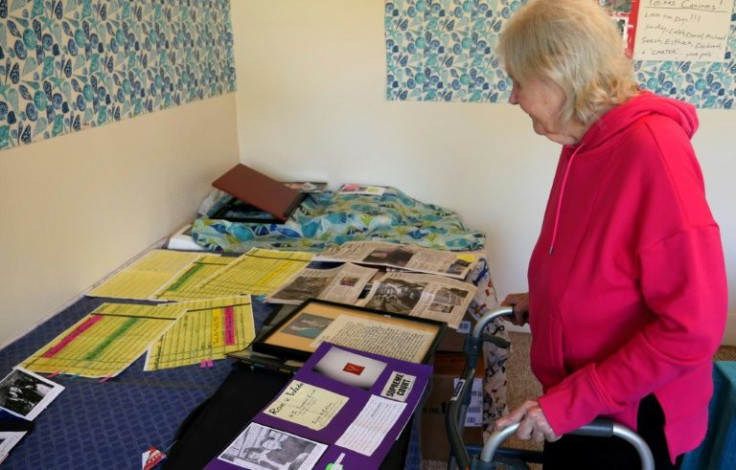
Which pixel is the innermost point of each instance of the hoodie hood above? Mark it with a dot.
(616, 121)
(627, 114)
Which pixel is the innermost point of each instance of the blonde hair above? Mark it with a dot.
(575, 44)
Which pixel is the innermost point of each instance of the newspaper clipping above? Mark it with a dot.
(405, 257)
(421, 295)
(342, 284)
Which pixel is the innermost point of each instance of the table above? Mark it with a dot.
(92, 424)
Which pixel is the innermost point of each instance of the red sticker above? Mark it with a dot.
(353, 368)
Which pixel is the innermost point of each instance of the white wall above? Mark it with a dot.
(311, 105)
(76, 207)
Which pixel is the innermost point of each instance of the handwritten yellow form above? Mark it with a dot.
(256, 272)
(185, 286)
(147, 275)
(208, 331)
(305, 404)
(105, 342)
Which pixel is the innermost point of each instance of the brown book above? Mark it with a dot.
(260, 191)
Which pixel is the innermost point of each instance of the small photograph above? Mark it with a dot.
(350, 368)
(349, 281)
(398, 256)
(396, 296)
(307, 325)
(262, 448)
(450, 295)
(439, 307)
(304, 287)
(458, 266)
(26, 394)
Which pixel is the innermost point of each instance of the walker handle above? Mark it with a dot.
(455, 417)
(600, 427)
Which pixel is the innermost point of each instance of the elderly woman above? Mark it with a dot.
(627, 288)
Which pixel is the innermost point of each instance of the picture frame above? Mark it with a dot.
(299, 334)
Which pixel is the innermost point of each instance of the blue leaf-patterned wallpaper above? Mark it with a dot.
(444, 50)
(66, 65)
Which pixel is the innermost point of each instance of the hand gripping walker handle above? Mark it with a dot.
(600, 427)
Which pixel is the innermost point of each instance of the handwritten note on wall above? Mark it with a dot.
(694, 30)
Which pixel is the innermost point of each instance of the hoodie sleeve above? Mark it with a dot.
(684, 284)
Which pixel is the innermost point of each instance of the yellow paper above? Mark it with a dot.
(105, 342)
(468, 258)
(146, 276)
(207, 331)
(185, 286)
(305, 404)
(256, 272)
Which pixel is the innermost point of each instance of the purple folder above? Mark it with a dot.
(343, 409)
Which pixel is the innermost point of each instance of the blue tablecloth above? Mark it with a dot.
(718, 450)
(108, 425)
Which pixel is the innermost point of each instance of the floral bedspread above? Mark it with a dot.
(332, 218)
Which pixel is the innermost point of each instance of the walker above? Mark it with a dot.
(490, 456)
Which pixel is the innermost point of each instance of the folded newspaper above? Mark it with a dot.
(404, 257)
(420, 295)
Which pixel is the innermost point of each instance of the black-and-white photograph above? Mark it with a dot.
(399, 256)
(26, 394)
(396, 296)
(458, 266)
(450, 295)
(262, 448)
(304, 287)
(440, 307)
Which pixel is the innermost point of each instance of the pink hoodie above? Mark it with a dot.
(631, 299)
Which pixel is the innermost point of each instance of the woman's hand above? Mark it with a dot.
(532, 423)
(520, 302)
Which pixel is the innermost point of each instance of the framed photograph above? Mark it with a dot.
(298, 335)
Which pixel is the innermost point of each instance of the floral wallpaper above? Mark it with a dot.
(66, 65)
(443, 50)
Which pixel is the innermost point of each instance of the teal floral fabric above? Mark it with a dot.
(444, 50)
(66, 65)
(332, 218)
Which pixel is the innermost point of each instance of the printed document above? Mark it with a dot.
(403, 257)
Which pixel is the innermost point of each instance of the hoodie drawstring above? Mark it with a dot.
(559, 199)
